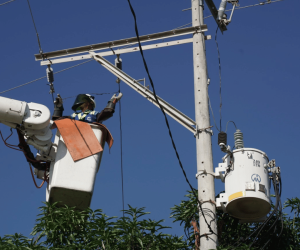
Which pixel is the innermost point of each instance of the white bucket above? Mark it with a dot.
(72, 183)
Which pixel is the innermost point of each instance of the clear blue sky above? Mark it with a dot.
(260, 90)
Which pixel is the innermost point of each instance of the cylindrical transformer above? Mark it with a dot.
(247, 184)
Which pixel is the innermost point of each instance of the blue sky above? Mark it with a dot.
(260, 91)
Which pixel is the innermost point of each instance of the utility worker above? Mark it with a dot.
(86, 104)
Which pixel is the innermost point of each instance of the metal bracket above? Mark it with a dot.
(271, 167)
(222, 201)
(207, 130)
(148, 94)
(227, 21)
(210, 201)
(222, 167)
(122, 42)
(201, 172)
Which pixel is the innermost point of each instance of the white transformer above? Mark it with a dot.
(247, 184)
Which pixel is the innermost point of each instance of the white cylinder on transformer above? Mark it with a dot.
(247, 184)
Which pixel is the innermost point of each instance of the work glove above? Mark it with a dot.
(58, 101)
(116, 98)
(58, 108)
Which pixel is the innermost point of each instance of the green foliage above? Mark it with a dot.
(234, 235)
(67, 228)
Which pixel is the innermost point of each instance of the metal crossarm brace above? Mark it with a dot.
(119, 51)
(169, 109)
(122, 42)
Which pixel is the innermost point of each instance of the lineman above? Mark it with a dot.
(86, 104)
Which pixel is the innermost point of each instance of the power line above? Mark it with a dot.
(7, 2)
(220, 92)
(212, 114)
(37, 34)
(244, 7)
(121, 149)
(167, 122)
(45, 76)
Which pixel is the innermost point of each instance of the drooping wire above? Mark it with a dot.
(7, 2)
(15, 147)
(167, 122)
(220, 92)
(32, 175)
(45, 76)
(91, 94)
(213, 114)
(37, 34)
(121, 149)
(121, 136)
(227, 125)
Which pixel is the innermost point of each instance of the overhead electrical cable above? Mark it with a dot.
(228, 123)
(91, 94)
(121, 149)
(220, 77)
(45, 76)
(119, 65)
(245, 7)
(167, 122)
(37, 34)
(212, 113)
(7, 2)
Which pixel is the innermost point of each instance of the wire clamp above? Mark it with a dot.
(207, 130)
(209, 201)
(204, 172)
(222, 201)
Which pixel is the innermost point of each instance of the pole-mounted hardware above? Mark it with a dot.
(144, 91)
(212, 7)
(118, 64)
(207, 130)
(222, 17)
(50, 78)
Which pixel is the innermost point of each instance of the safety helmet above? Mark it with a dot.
(81, 99)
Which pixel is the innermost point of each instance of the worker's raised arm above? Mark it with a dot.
(108, 111)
